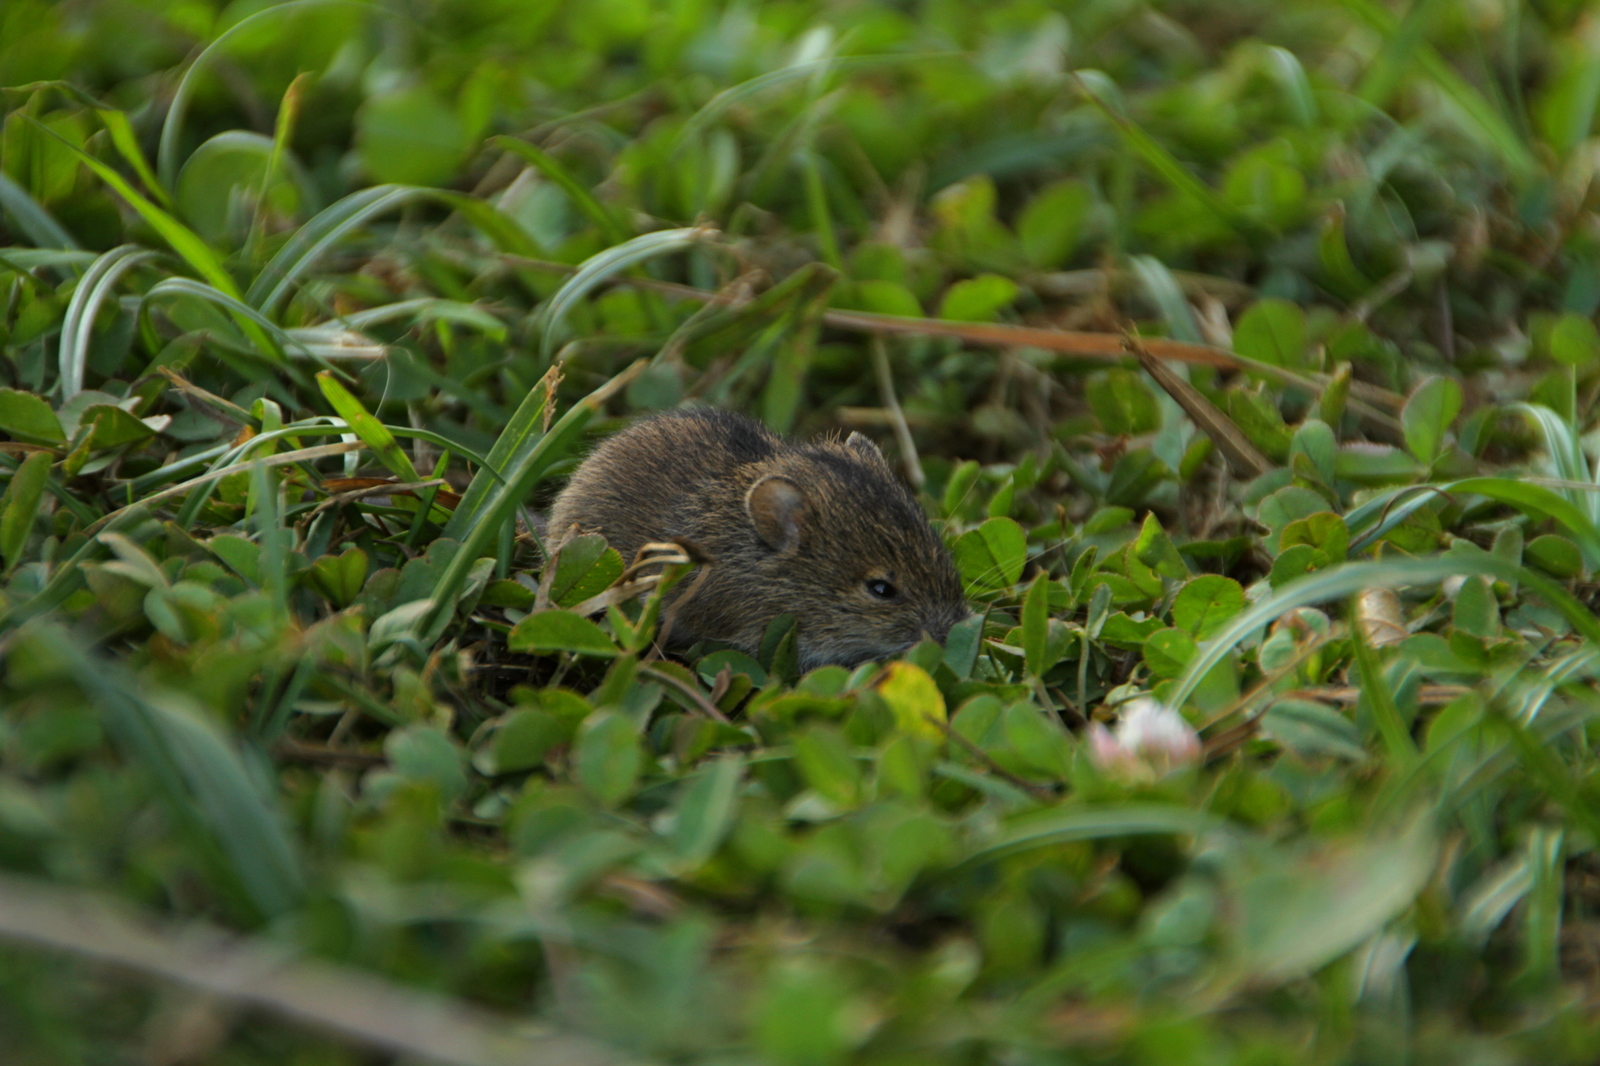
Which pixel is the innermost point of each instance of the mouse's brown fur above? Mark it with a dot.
(819, 531)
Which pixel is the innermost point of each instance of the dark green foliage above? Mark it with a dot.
(307, 310)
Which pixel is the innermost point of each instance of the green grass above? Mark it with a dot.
(1244, 353)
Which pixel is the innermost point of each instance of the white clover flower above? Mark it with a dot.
(1150, 741)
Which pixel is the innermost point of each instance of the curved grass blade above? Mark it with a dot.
(1534, 500)
(78, 324)
(1347, 579)
(34, 221)
(499, 504)
(1285, 69)
(1566, 455)
(181, 238)
(313, 239)
(604, 265)
(815, 68)
(427, 309)
(277, 339)
(172, 125)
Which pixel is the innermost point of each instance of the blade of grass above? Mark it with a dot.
(602, 266)
(500, 503)
(1347, 579)
(375, 434)
(178, 110)
(34, 221)
(1052, 828)
(203, 779)
(1380, 698)
(77, 325)
(521, 435)
(273, 282)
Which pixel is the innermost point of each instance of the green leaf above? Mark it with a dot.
(1038, 739)
(525, 737)
(962, 645)
(1475, 610)
(1574, 340)
(1053, 223)
(409, 136)
(1554, 555)
(586, 567)
(556, 630)
(609, 758)
(113, 427)
(1294, 915)
(991, 557)
(959, 487)
(339, 577)
(708, 809)
(20, 506)
(1123, 404)
(1205, 603)
(979, 299)
(1036, 624)
(1324, 531)
(1312, 730)
(424, 753)
(25, 416)
(1168, 651)
(1427, 415)
(226, 175)
(1155, 549)
(1273, 331)
(828, 765)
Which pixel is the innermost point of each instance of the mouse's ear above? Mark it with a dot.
(864, 447)
(776, 507)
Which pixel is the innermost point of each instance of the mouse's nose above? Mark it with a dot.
(938, 629)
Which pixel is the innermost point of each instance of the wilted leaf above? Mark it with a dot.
(915, 700)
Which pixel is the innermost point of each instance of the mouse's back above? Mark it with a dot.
(821, 531)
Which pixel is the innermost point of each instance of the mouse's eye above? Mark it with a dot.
(881, 589)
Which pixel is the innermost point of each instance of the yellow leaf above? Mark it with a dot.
(915, 699)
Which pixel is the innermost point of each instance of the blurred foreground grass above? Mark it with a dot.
(1244, 351)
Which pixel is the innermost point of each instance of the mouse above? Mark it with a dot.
(822, 530)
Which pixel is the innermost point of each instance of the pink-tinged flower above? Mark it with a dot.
(1150, 741)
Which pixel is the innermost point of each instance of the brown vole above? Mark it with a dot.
(820, 531)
